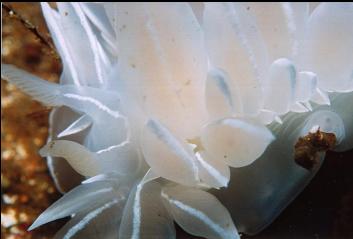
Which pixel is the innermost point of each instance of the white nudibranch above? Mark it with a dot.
(82, 160)
(189, 112)
(122, 159)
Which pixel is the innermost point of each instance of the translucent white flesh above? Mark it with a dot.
(79, 157)
(280, 83)
(235, 46)
(78, 126)
(65, 177)
(145, 215)
(77, 200)
(163, 65)
(212, 172)
(96, 13)
(219, 98)
(235, 142)
(320, 97)
(259, 192)
(281, 25)
(83, 61)
(164, 153)
(328, 46)
(102, 106)
(305, 86)
(78, 45)
(95, 223)
(342, 105)
(199, 213)
(122, 159)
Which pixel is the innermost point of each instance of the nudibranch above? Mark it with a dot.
(190, 113)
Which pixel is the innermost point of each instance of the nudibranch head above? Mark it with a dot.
(169, 109)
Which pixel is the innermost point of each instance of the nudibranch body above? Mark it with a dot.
(158, 100)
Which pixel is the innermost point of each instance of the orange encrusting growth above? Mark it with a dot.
(308, 148)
